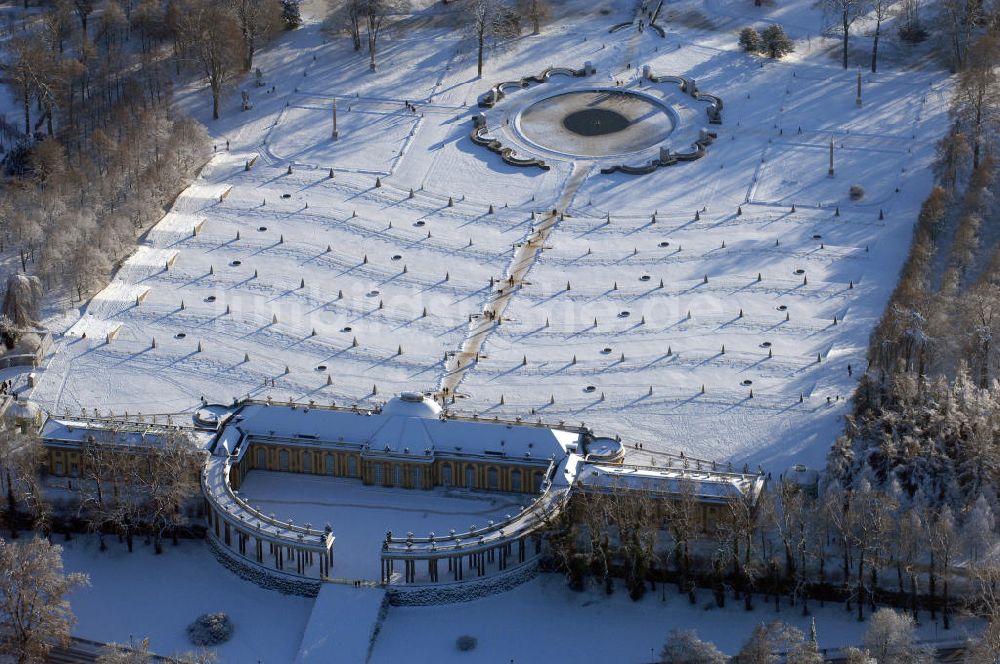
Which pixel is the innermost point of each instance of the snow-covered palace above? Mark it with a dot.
(408, 443)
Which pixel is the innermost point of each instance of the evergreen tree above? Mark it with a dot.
(749, 39)
(291, 13)
(774, 42)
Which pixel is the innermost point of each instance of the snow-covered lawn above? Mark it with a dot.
(300, 286)
(144, 595)
(361, 515)
(544, 621)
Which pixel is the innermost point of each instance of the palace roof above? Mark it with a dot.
(410, 426)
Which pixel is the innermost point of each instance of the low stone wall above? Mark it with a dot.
(462, 591)
(479, 137)
(265, 578)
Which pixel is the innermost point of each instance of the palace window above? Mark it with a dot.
(397, 475)
(446, 479)
(492, 479)
(416, 479)
(470, 477)
(377, 477)
(515, 480)
(261, 457)
(307, 462)
(352, 466)
(329, 464)
(538, 481)
(283, 460)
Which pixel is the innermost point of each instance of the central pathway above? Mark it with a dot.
(525, 255)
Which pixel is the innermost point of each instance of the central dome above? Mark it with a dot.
(412, 404)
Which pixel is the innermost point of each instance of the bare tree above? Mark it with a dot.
(958, 20)
(57, 24)
(535, 11)
(258, 20)
(209, 34)
(874, 519)
(681, 517)
(880, 12)
(170, 481)
(843, 14)
(375, 14)
(490, 20)
(346, 14)
(944, 541)
(34, 611)
(976, 101)
(83, 9)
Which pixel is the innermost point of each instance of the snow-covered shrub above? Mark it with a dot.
(210, 629)
(466, 643)
(857, 192)
(749, 40)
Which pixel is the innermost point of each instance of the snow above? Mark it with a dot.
(143, 595)
(279, 274)
(360, 515)
(405, 428)
(540, 621)
(341, 625)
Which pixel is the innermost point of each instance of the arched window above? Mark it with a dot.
(397, 475)
(307, 462)
(446, 479)
(329, 464)
(470, 477)
(352, 466)
(537, 477)
(377, 474)
(515, 480)
(261, 457)
(416, 478)
(283, 460)
(492, 479)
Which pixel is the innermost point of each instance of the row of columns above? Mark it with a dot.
(283, 556)
(476, 562)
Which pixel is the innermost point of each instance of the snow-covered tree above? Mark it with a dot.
(776, 642)
(891, 637)
(34, 611)
(684, 647)
(979, 530)
(133, 652)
